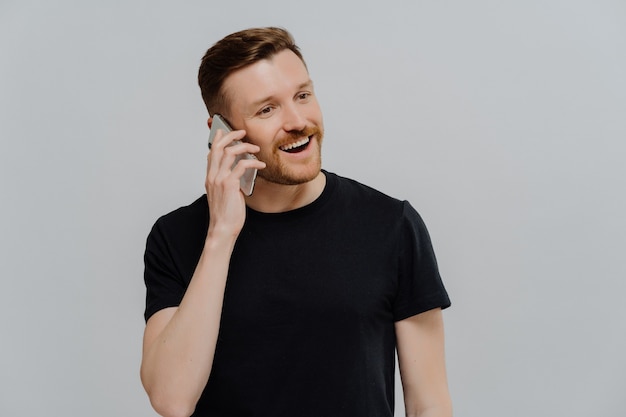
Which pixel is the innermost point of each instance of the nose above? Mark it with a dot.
(293, 118)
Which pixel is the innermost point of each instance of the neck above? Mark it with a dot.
(277, 198)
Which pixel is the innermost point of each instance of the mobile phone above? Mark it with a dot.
(246, 182)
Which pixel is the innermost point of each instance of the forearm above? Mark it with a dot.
(177, 361)
(421, 359)
(445, 410)
(440, 406)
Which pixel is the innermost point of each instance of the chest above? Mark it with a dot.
(314, 273)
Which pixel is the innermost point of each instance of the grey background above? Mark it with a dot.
(502, 122)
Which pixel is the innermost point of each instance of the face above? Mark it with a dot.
(274, 102)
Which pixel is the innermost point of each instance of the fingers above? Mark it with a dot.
(219, 161)
(223, 139)
(245, 163)
(226, 162)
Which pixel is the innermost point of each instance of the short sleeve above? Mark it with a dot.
(164, 286)
(420, 287)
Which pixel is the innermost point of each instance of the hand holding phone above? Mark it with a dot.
(246, 182)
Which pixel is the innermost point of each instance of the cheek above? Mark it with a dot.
(258, 136)
(265, 139)
(316, 113)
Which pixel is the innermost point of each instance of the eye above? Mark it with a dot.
(265, 111)
(303, 96)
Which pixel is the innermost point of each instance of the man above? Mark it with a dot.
(291, 301)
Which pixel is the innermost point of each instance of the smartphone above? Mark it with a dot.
(246, 182)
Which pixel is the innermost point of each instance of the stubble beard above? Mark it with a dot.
(277, 171)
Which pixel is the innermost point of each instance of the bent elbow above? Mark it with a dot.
(168, 399)
(168, 404)
(168, 408)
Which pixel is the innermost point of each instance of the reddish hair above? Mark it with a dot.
(234, 52)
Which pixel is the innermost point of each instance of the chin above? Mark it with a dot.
(291, 175)
(285, 172)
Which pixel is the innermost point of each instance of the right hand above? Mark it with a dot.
(227, 206)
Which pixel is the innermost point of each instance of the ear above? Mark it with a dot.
(210, 122)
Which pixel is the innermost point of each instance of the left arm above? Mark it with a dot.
(421, 358)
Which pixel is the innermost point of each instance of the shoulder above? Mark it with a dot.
(355, 192)
(363, 201)
(185, 213)
(184, 220)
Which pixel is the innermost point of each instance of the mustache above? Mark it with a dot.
(297, 134)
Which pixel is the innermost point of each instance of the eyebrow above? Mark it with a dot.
(306, 84)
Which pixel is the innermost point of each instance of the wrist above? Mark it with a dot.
(220, 237)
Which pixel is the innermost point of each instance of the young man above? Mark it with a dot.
(291, 301)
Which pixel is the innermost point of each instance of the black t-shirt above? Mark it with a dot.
(307, 326)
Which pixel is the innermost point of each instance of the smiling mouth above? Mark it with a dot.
(296, 147)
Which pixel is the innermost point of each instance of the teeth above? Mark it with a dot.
(301, 142)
